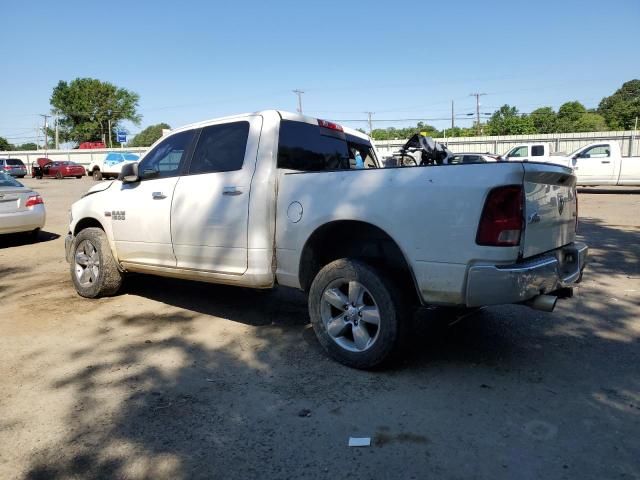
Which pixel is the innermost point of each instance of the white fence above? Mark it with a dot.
(561, 142)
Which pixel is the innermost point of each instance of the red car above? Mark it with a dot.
(47, 168)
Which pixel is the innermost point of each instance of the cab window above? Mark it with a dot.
(519, 152)
(220, 148)
(167, 158)
(310, 148)
(537, 151)
(597, 151)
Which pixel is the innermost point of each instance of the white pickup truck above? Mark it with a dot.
(275, 198)
(599, 163)
(110, 165)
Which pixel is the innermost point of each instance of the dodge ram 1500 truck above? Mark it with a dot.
(275, 198)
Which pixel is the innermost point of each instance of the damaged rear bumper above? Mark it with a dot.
(517, 283)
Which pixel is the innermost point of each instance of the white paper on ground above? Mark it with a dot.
(359, 441)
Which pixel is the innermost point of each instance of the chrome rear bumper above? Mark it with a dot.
(504, 284)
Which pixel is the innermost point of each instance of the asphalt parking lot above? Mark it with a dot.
(176, 379)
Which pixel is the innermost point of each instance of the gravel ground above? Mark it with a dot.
(174, 379)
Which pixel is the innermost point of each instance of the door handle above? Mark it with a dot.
(605, 161)
(231, 191)
(158, 195)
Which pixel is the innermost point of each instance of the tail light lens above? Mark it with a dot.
(501, 221)
(34, 200)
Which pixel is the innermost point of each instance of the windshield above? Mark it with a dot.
(8, 181)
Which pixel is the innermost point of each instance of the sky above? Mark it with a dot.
(401, 60)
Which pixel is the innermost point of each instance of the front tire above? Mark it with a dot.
(356, 313)
(94, 271)
(97, 175)
(59, 176)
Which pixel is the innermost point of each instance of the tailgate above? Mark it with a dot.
(550, 208)
(13, 200)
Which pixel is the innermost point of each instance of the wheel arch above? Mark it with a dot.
(355, 239)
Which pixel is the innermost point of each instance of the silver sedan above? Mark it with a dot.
(21, 209)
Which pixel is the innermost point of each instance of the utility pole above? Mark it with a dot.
(370, 122)
(452, 126)
(299, 94)
(46, 139)
(110, 144)
(477, 95)
(57, 135)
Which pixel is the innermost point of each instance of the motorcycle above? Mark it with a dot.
(420, 150)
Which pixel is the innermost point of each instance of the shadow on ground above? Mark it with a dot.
(19, 239)
(236, 407)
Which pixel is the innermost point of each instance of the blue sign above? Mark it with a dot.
(122, 137)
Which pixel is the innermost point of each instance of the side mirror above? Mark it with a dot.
(129, 173)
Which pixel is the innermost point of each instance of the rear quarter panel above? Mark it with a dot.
(431, 212)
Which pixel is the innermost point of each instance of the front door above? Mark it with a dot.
(594, 165)
(141, 212)
(210, 211)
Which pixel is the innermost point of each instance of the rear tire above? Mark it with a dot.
(97, 175)
(94, 271)
(379, 315)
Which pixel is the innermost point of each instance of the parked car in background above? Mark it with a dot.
(58, 169)
(13, 166)
(599, 163)
(531, 152)
(468, 157)
(91, 145)
(110, 165)
(21, 209)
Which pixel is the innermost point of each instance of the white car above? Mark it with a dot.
(277, 198)
(21, 209)
(470, 157)
(110, 165)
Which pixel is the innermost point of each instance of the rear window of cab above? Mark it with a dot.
(311, 148)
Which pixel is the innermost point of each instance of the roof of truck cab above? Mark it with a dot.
(282, 113)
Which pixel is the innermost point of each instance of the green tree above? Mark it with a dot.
(544, 119)
(149, 135)
(27, 146)
(86, 105)
(569, 114)
(5, 145)
(590, 122)
(507, 121)
(621, 109)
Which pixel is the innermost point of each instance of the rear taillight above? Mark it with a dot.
(330, 125)
(501, 221)
(7, 167)
(34, 200)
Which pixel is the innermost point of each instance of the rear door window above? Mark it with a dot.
(537, 151)
(221, 148)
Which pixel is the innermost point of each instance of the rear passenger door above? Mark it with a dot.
(210, 209)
